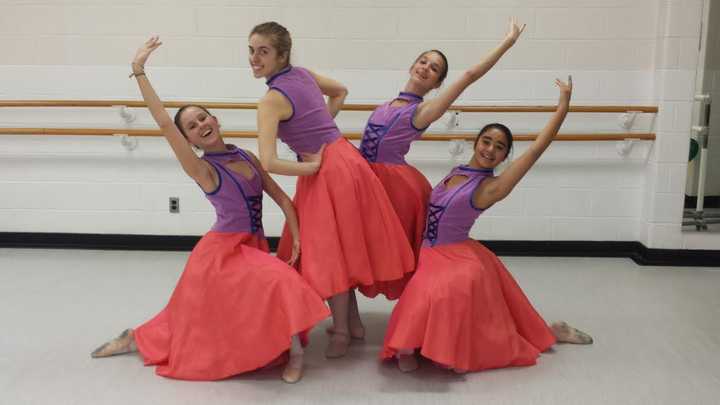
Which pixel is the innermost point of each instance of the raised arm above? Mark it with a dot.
(493, 190)
(273, 108)
(429, 111)
(335, 91)
(191, 164)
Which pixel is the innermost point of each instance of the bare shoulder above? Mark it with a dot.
(272, 98)
(274, 103)
(486, 193)
(208, 178)
(313, 73)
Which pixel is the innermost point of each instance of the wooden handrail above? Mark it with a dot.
(349, 135)
(346, 107)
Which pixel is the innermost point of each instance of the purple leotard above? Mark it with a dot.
(237, 200)
(451, 212)
(311, 124)
(390, 131)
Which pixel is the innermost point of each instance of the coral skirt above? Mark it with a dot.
(234, 309)
(464, 310)
(409, 192)
(350, 235)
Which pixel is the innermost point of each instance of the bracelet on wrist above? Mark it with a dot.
(137, 66)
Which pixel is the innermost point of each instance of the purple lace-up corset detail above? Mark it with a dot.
(390, 131)
(451, 212)
(237, 200)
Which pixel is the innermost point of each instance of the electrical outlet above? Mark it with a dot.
(174, 205)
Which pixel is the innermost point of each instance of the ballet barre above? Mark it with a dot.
(347, 107)
(457, 140)
(578, 137)
(624, 140)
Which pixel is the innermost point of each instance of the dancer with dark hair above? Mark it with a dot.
(462, 309)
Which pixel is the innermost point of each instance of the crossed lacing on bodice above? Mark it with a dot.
(433, 221)
(371, 140)
(254, 204)
(451, 211)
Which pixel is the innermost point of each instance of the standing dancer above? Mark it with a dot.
(236, 308)
(463, 309)
(349, 232)
(394, 125)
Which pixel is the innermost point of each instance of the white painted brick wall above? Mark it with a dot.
(678, 32)
(619, 52)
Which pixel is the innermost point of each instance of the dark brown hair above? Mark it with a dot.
(182, 109)
(500, 127)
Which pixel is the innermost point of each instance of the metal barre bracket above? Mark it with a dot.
(128, 142)
(626, 120)
(624, 147)
(125, 113)
(452, 119)
(456, 147)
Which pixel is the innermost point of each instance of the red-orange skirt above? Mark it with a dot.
(350, 235)
(464, 310)
(233, 310)
(409, 192)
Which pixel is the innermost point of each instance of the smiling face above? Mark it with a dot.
(264, 58)
(429, 70)
(491, 148)
(200, 128)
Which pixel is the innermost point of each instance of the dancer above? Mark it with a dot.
(350, 234)
(395, 124)
(236, 308)
(463, 309)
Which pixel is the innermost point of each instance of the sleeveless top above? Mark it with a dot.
(310, 125)
(390, 131)
(237, 200)
(451, 212)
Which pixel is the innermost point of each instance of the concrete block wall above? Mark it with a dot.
(618, 52)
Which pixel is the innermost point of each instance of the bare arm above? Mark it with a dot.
(494, 190)
(335, 91)
(273, 108)
(283, 201)
(429, 111)
(191, 164)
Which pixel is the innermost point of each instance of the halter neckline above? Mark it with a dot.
(280, 73)
(231, 149)
(404, 95)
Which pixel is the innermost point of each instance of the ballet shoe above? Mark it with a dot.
(337, 345)
(293, 372)
(565, 333)
(124, 343)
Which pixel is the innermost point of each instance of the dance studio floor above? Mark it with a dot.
(656, 329)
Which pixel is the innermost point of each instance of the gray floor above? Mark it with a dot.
(657, 332)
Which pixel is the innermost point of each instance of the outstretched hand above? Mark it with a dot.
(565, 88)
(145, 50)
(515, 30)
